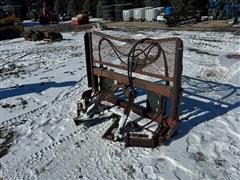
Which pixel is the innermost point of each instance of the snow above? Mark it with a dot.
(41, 82)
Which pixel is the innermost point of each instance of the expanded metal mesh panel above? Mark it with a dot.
(165, 64)
(157, 57)
(108, 50)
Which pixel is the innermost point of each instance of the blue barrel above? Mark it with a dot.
(168, 11)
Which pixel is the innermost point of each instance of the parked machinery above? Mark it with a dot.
(185, 10)
(47, 17)
(46, 14)
(13, 6)
(10, 25)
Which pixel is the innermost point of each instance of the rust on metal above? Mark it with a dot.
(154, 65)
(156, 88)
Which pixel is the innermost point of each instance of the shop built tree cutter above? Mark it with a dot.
(118, 69)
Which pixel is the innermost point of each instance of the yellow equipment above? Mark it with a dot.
(10, 26)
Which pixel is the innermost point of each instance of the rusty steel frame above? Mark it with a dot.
(96, 72)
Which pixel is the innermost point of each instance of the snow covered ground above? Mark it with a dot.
(40, 83)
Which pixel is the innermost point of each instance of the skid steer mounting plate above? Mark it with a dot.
(141, 77)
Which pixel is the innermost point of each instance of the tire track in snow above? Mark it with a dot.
(53, 152)
(38, 61)
(84, 158)
(19, 170)
(63, 98)
(23, 118)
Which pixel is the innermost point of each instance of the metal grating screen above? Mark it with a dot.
(154, 58)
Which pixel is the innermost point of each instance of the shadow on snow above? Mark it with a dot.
(32, 88)
(201, 101)
(205, 100)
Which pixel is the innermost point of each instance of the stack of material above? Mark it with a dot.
(151, 14)
(127, 15)
(139, 14)
(119, 10)
(80, 19)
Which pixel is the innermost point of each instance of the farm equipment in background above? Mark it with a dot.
(18, 7)
(135, 82)
(50, 17)
(183, 18)
(47, 17)
(185, 11)
(43, 13)
(10, 26)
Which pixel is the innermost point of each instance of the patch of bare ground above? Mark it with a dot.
(6, 139)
